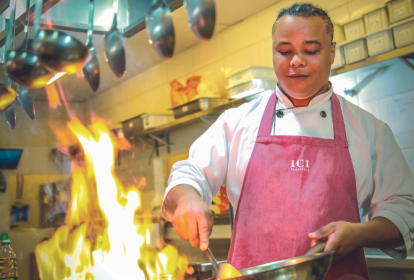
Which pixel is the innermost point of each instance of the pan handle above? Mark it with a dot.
(318, 248)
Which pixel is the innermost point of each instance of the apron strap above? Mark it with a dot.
(267, 118)
(337, 118)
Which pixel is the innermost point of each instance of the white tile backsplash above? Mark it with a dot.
(339, 15)
(157, 75)
(358, 8)
(265, 21)
(180, 64)
(208, 52)
(329, 4)
(240, 36)
(265, 52)
(219, 64)
(386, 79)
(243, 58)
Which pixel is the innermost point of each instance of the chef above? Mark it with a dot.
(300, 165)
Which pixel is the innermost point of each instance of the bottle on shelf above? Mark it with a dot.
(8, 263)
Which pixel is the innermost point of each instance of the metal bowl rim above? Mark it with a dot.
(280, 263)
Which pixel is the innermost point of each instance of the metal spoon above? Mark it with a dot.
(212, 259)
(114, 47)
(91, 68)
(26, 101)
(24, 67)
(9, 115)
(161, 29)
(201, 17)
(59, 51)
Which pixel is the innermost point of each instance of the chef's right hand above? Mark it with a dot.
(193, 219)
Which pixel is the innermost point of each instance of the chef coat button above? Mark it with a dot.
(279, 114)
(323, 114)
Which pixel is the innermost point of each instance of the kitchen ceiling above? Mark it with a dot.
(139, 53)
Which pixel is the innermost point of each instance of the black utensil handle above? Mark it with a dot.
(318, 248)
(90, 23)
(26, 28)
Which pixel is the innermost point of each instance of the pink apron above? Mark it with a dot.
(295, 185)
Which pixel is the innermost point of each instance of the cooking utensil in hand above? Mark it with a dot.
(161, 29)
(114, 47)
(212, 259)
(57, 50)
(201, 17)
(25, 69)
(91, 67)
(312, 266)
(9, 115)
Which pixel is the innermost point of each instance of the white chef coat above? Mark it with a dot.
(384, 183)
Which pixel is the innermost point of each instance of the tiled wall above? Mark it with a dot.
(387, 91)
(246, 43)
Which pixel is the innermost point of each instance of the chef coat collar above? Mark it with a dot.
(284, 101)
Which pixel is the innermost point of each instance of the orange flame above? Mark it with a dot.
(103, 237)
(53, 96)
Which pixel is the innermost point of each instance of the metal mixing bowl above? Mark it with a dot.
(310, 267)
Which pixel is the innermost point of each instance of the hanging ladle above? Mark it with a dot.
(24, 67)
(8, 113)
(114, 47)
(161, 29)
(201, 17)
(91, 67)
(59, 51)
(23, 60)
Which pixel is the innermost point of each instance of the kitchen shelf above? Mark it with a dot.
(192, 118)
(375, 59)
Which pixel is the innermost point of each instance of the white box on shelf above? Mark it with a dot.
(355, 51)
(376, 20)
(154, 120)
(400, 9)
(354, 29)
(251, 87)
(380, 42)
(339, 58)
(403, 32)
(251, 72)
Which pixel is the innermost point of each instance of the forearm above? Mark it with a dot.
(176, 194)
(380, 233)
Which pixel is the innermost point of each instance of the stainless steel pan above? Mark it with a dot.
(312, 266)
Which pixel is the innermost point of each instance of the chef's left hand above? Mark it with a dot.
(343, 237)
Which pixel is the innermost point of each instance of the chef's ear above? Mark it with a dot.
(333, 46)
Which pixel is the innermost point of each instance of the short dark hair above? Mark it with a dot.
(306, 10)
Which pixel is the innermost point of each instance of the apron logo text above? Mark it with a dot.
(299, 165)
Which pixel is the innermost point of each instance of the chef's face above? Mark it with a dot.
(302, 55)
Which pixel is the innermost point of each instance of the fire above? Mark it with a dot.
(103, 238)
(53, 96)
